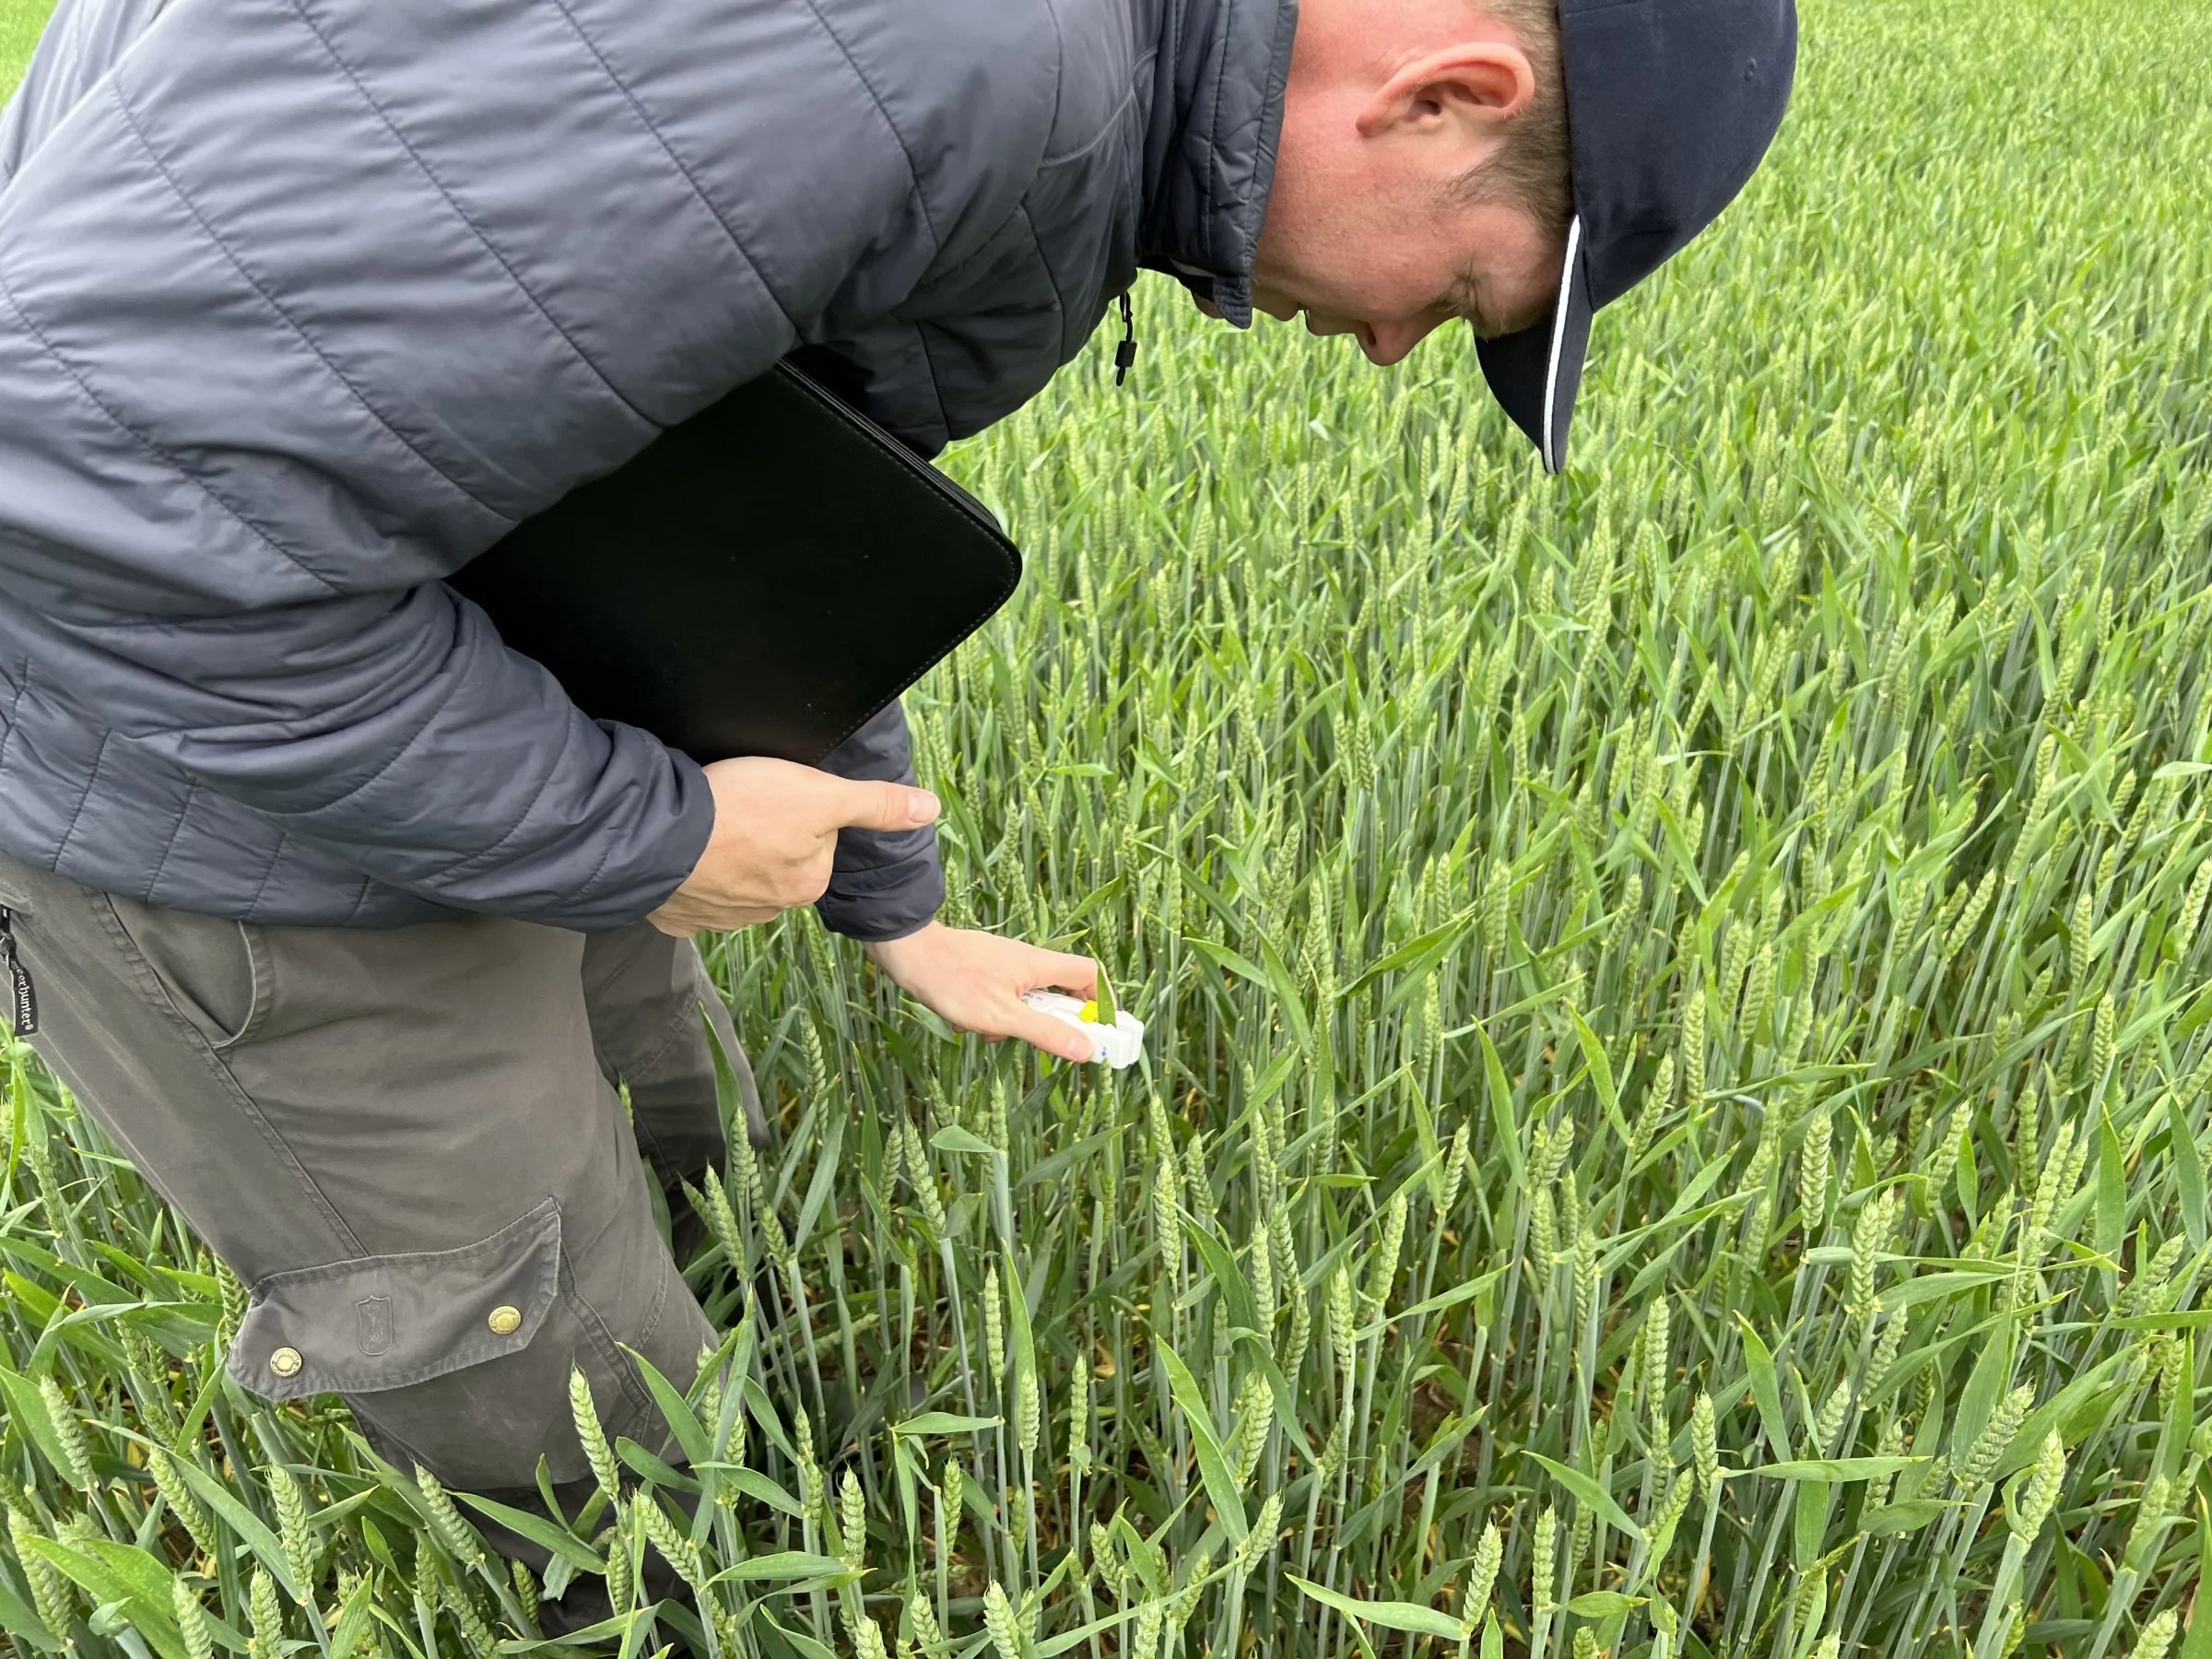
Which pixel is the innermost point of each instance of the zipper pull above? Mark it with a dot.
(23, 998)
(1125, 353)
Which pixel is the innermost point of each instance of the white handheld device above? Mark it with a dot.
(1118, 1044)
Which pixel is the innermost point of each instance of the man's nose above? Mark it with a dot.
(1387, 343)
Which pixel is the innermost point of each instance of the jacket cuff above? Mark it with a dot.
(884, 901)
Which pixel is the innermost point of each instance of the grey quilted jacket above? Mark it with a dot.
(304, 303)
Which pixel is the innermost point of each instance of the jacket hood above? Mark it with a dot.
(1210, 148)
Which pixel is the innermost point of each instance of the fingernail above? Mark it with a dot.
(922, 806)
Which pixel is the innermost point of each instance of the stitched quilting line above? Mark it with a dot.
(584, 889)
(913, 173)
(360, 897)
(276, 852)
(448, 872)
(1271, 93)
(399, 752)
(699, 191)
(936, 281)
(587, 888)
(1060, 311)
(1108, 128)
(1059, 71)
(307, 338)
(61, 848)
(15, 714)
(360, 86)
(153, 882)
(1213, 122)
(146, 441)
(937, 384)
(578, 894)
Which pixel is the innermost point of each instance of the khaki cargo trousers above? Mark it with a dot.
(409, 1144)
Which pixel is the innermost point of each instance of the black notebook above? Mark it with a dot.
(762, 579)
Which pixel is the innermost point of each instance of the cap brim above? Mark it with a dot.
(1535, 373)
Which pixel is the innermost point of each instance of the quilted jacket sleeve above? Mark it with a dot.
(303, 304)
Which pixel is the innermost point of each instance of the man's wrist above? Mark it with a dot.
(876, 948)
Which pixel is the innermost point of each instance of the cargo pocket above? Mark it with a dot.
(393, 1321)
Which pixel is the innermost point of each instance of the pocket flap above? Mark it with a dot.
(385, 1321)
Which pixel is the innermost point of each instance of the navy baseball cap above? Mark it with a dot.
(1670, 106)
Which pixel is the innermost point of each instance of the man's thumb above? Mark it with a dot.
(883, 806)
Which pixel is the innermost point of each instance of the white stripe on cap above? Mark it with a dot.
(1558, 336)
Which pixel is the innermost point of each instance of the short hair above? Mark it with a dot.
(1533, 172)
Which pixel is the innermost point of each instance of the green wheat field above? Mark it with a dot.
(1676, 1118)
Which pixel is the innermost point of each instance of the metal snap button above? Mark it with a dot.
(505, 1320)
(285, 1361)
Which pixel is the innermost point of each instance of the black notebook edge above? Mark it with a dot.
(947, 496)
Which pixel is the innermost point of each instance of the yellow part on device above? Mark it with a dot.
(1090, 1011)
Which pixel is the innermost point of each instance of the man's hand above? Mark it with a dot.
(974, 981)
(774, 839)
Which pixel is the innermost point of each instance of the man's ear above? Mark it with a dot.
(1476, 84)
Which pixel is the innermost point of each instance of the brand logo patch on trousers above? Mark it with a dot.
(376, 1323)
